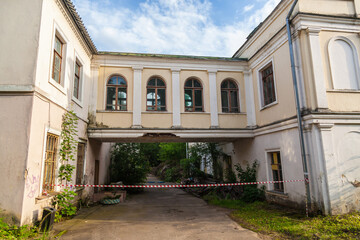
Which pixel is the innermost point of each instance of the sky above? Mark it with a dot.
(185, 27)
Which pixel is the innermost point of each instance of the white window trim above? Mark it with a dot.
(260, 87)
(79, 101)
(269, 176)
(57, 133)
(355, 55)
(57, 32)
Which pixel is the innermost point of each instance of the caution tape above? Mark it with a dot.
(180, 185)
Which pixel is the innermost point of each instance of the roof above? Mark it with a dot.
(257, 28)
(79, 23)
(171, 56)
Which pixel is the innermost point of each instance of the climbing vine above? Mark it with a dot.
(68, 148)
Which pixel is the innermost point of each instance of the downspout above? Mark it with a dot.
(298, 111)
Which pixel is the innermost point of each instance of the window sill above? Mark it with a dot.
(239, 113)
(57, 86)
(195, 113)
(113, 111)
(276, 193)
(157, 112)
(77, 101)
(269, 105)
(344, 90)
(44, 198)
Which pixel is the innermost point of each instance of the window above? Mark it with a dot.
(80, 163)
(57, 59)
(276, 171)
(156, 96)
(50, 162)
(116, 94)
(267, 85)
(229, 97)
(193, 96)
(77, 79)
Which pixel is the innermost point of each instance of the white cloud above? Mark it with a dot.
(166, 26)
(249, 7)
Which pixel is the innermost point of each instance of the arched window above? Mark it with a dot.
(116, 94)
(193, 96)
(156, 95)
(344, 64)
(229, 96)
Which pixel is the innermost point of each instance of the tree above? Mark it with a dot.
(151, 153)
(128, 164)
(172, 152)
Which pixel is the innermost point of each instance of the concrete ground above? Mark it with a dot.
(170, 214)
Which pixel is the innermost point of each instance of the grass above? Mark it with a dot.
(281, 223)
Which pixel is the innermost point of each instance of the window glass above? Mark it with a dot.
(160, 82)
(121, 81)
(156, 95)
(152, 82)
(188, 83)
(268, 85)
(80, 163)
(111, 100)
(58, 45)
(198, 98)
(224, 101)
(196, 83)
(161, 97)
(76, 87)
(112, 81)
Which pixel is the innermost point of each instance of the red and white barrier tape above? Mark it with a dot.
(180, 185)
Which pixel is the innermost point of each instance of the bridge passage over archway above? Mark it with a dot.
(146, 98)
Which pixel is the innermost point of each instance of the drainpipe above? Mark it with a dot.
(298, 111)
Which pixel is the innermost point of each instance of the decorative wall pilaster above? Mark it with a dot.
(175, 75)
(137, 97)
(249, 96)
(213, 99)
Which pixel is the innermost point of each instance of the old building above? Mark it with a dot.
(49, 65)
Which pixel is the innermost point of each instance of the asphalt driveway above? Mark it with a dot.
(155, 214)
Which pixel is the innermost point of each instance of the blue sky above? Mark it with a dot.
(187, 27)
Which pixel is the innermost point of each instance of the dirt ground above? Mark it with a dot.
(170, 214)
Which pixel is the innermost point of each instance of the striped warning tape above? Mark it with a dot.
(180, 185)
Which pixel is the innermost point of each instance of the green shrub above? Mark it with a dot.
(172, 174)
(230, 176)
(15, 232)
(64, 203)
(251, 193)
(128, 164)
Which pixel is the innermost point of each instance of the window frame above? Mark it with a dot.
(261, 86)
(275, 187)
(55, 161)
(58, 33)
(117, 86)
(60, 55)
(156, 90)
(228, 96)
(193, 94)
(79, 100)
(82, 172)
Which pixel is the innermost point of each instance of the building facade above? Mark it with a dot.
(247, 102)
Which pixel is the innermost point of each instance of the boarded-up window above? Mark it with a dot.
(80, 163)
(50, 162)
(277, 171)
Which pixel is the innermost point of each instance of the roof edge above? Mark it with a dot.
(70, 7)
(156, 55)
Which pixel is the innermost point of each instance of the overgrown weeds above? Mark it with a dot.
(282, 223)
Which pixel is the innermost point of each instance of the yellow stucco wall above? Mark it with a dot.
(232, 120)
(338, 100)
(333, 7)
(114, 119)
(195, 120)
(285, 106)
(156, 120)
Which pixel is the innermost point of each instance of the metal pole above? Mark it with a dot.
(298, 111)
